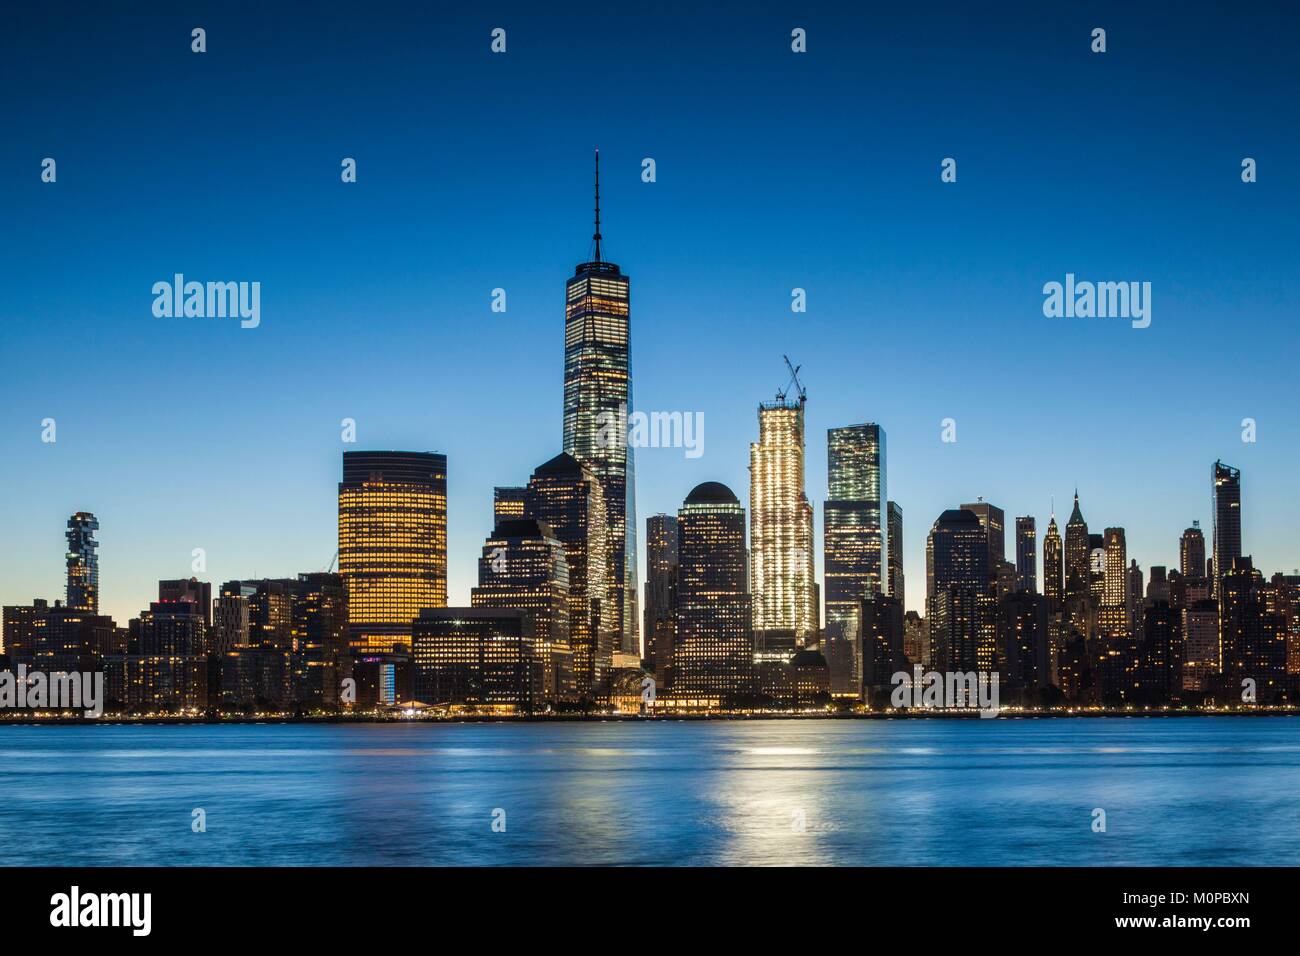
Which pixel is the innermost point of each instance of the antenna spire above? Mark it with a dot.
(596, 237)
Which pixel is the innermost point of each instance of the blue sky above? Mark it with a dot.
(775, 170)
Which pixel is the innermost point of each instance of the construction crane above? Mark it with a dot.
(333, 561)
(794, 380)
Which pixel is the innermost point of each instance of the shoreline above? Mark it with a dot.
(119, 720)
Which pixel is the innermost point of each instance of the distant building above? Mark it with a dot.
(1252, 636)
(507, 504)
(198, 593)
(1191, 552)
(476, 657)
(855, 534)
(524, 567)
(83, 563)
(1227, 519)
(660, 595)
(959, 606)
(1027, 552)
(567, 497)
(895, 543)
(392, 543)
(714, 647)
(781, 531)
(994, 522)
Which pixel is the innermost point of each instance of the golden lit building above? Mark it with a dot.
(392, 543)
(781, 524)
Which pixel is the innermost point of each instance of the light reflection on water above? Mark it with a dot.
(1185, 791)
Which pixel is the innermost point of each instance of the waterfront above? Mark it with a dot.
(1176, 791)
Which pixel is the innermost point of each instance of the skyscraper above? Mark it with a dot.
(713, 654)
(994, 522)
(895, 564)
(83, 563)
(1191, 552)
(781, 531)
(193, 590)
(1227, 519)
(855, 535)
(1027, 553)
(597, 402)
(1053, 566)
(507, 504)
(478, 657)
(660, 594)
(1077, 554)
(392, 543)
(524, 567)
(567, 497)
(959, 603)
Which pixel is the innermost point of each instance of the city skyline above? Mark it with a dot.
(251, 422)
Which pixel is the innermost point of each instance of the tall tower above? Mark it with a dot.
(1052, 566)
(568, 498)
(1077, 552)
(714, 650)
(959, 605)
(855, 529)
(780, 529)
(994, 522)
(597, 401)
(1027, 552)
(1191, 552)
(660, 593)
(1227, 519)
(83, 563)
(896, 580)
(392, 543)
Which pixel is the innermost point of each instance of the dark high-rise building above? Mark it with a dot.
(567, 497)
(1227, 519)
(507, 504)
(1027, 553)
(597, 402)
(895, 563)
(318, 658)
(1024, 642)
(713, 654)
(83, 563)
(524, 567)
(660, 594)
(959, 606)
(1191, 552)
(883, 638)
(392, 543)
(478, 657)
(994, 522)
(1078, 551)
(1252, 637)
(855, 525)
(198, 593)
(1053, 566)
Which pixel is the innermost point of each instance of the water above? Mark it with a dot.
(1183, 791)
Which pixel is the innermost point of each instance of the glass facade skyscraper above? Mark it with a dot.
(895, 546)
(713, 654)
(855, 529)
(597, 402)
(392, 543)
(1227, 519)
(83, 563)
(959, 603)
(567, 498)
(660, 594)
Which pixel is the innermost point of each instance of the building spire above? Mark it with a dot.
(596, 236)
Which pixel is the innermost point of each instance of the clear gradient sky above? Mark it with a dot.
(775, 170)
